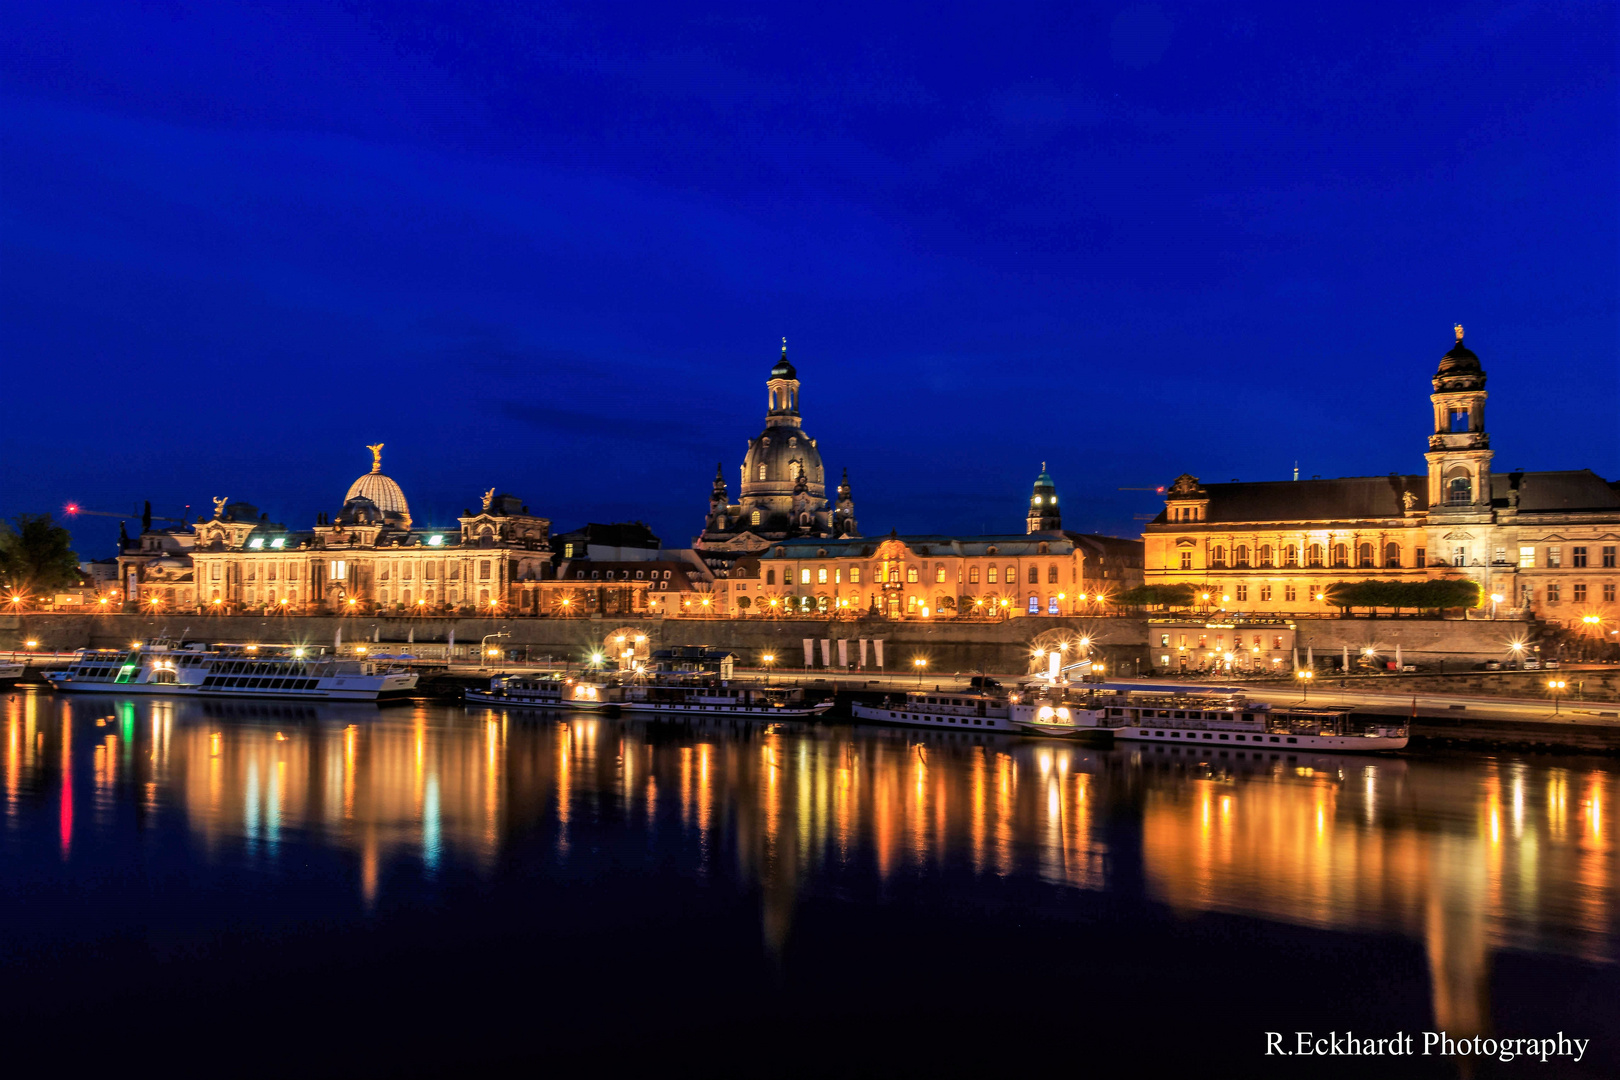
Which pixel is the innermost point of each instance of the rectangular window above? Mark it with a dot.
(1186, 561)
(1608, 594)
(1577, 556)
(1289, 593)
(821, 575)
(1527, 558)
(568, 551)
(272, 571)
(939, 573)
(213, 571)
(854, 575)
(430, 571)
(1422, 559)
(1242, 593)
(1555, 557)
(340, 570)
(405, 572)
(483, 569)
(1265, 593)
(1276, 641)
(911, 574)
(1500, 556)
(1580, 592)
(1608, 556)
(973, 575)
(804, 576)
(991, 578)
(1553, 591)
(1164, 641)
(770, 577)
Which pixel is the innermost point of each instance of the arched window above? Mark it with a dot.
(1051, 574)
(911, 574)
(992, 578)
(1265, 554)
(1034, 605)
(1052, 606)
(973, 575)
(1313, 555)
(1034, 575)
(1341, 555)
(1220, 555)
(1291, 557)
(1364, 556)
(1460, 491)
(894, 573)
(754, 518)
(1241, 555)
(1392, 555)
(1012, 575)
(770, 577)
(762, 470)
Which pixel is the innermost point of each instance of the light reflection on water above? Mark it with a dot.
(1467, 855)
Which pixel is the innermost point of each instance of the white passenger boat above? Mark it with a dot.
(721, 698)
(10, 673)
(545, 692)
(982, 704)
(1231, 719)
(285, 672)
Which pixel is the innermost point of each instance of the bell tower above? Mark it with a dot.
(1043, 505)
(782, 390)
(1459, 450)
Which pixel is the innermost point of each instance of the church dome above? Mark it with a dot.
(1460, 360)
(784, 453)
(380, 490)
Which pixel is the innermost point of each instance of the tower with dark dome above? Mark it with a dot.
(783, 489)
(1459, 450)
(1043, 505)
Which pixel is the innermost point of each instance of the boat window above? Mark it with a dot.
(1274, 738)
(1248, 716)
(1224, 737)
(1291, 739)
(1207, 735)
(1243, 738)
(1175, 734)
(1181, 716)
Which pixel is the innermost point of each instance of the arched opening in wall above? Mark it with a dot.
(754, 517)
(1364, 556)
(1392, 555)
(1341, 556)
(1459, 488)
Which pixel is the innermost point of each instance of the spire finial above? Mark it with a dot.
(376, 456)
(1043, 466)
(1458, 331)
(784, 347)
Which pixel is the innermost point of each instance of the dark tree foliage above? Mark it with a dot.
(1415, 595)
(36, 555)
(1167, 596)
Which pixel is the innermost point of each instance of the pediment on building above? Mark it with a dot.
(1458, 534)
(1186, 541)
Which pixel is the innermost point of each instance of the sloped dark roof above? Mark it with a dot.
(1344, 499)
(618, 534)
(1567, 491)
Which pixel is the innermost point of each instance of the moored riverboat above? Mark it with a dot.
(982, 704)
(721, 698)
(283, 672)
(546, 692)
(1232, 719)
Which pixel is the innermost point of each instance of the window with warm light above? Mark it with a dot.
(804, 576)
(911, 574)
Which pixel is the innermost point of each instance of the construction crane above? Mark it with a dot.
(75, 510)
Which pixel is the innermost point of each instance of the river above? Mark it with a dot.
(275, 889)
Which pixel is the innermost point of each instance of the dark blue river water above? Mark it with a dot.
(255, 889)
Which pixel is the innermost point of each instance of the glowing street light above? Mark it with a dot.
(768, 659)
(1305, 675)
(919, 664)
(1556, 687)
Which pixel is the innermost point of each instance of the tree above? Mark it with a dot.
(1157, 596)
(1421, 595)
(36, 555)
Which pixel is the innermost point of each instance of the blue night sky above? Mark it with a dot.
(553, 249)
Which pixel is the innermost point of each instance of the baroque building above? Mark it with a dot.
(1540, 544)
(782, 493)
(371, 557)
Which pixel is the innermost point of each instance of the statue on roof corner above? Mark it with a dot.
(219, 505)
(489, 499)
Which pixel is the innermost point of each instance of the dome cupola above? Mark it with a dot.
(381, 491)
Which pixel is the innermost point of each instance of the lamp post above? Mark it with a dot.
(1556, 687)
(919, 664)
(768, 659)
(484, 651)
(1305, 675)
(1496, 598)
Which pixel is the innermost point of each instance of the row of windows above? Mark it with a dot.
(992, 575)
(1258, 641)
(222, 682)
(624, 575)
(1367, 556)
(1555, 593)
(1555, 556)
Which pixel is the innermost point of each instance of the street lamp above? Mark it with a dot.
(1305, 675)
(484, 649)
(1496, 598)
(769, 659)
(919, 664)
(1556, 687)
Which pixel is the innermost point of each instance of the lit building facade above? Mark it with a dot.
(1538, 543)
(370, 557)
(782, 492)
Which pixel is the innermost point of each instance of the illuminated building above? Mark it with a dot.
(783, 490)
(1545, 542)
(372, 557)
